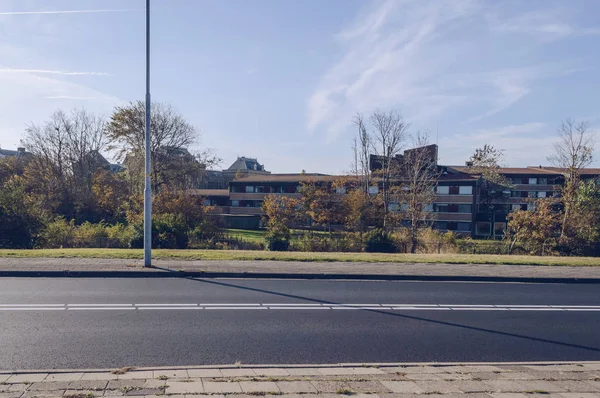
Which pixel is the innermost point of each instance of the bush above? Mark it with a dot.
(90, 235)
(277, 242)
(168, 232)
(119, 235)
(58, 234)
(380, 241)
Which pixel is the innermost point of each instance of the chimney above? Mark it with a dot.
(21, 149)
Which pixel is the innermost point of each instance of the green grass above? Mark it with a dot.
(232, 255)
(257, 235)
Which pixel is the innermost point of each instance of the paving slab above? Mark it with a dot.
(271, 372)
(27, 377)
(49, 386)
(579, 395)
(504, 385)
(42, 394)
(136, 374)
(371, 386)
(212, 387)
(97, 385)
(509, 395)
(171, 374)
(204, 373)
(144, 391)
(437, 387)
(425, 376)
(64, 376)
(99, 376)
(120, 384)
(575, 386)
(404, 387)
(542, 385)
(330, 386)
(471, 386)
(10, 394)
(241, 372)
(259, 386)
(179, 387)
(303, 371)
(81, 394)
(296, 387)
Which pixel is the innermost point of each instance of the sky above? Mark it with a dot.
(282, 80)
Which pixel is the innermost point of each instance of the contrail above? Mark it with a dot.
(54, 72)
(61, 12)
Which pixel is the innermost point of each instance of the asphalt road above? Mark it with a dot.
(103, 323)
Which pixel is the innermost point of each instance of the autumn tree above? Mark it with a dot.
(537, 230)
(418, 177)
(281, 212)
(572, 152)
(320, 203)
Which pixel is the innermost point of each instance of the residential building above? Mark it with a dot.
(220, 179)
(20, 152)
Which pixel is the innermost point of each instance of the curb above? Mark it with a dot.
(317, 366)
(274, 275)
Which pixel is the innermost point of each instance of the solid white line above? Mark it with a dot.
(32, 305)
(411, 305)
(231, 304)
(99, 308)
(537, 309)
(345, 308)
(582, 309)
(467, 305)
(32, 309)
(236, 308)
(478, 309)
(299, 305)
(99, 305)
(169, 308)
(164, 305)
(423, 308)
(298, 308)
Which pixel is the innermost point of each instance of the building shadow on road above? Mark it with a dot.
(404, 316)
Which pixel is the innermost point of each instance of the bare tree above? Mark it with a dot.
(572, 152)
(171, 137)
(419, 175)
(487, 162)
(362, 150)
(66, 152)
(389, 132)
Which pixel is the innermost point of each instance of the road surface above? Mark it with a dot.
(106, 323)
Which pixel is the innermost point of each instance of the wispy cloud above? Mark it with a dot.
(64, 12)
(458, 59)
(71, 97)
(52, 72)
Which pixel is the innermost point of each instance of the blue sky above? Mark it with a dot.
(282, 79)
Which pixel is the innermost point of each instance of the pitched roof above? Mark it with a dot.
(296, 177)
(246, 164)
(530, 170)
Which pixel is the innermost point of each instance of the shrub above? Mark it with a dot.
(277, 242)
(57, 234)
(380, 241)
(90, 235)
(168, 232)
(119, 235)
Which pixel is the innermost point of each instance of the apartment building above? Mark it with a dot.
(463, 204)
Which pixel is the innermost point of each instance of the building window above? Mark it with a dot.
(543, 181)
(393, 206)
(483, 228)
(516, 180)
(443, 190)
(443, 225)
(532, 194)
(428, 207)
(340, 190)
(541, 194)
(290, 189)
(516, 207)
(374, 190)
(465, 209)
(249, 188)
(454, 190)
(533, 181)
(235, 203)
(260, 189)
(499, 228)
(404, 207)
(465, 190)
(206, 202)
(463, 226)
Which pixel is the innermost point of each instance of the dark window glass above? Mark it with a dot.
(453, 190)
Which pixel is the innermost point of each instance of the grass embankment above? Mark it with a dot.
(233, 255)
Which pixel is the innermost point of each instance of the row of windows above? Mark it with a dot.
(436, 207)
(530, 181)
(453, 226)
(246, 203)
(373, 190)
(454, 190)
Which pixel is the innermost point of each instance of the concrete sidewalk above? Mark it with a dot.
(567, 380)
(80, 267)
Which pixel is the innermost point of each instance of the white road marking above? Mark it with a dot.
(297, 307)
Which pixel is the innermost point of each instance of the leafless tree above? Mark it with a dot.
(362, 146)
(389, 134)
(572, 152)
(171, 138)
(66, 151)
(419, 175)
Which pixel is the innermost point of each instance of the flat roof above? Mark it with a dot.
(209, 192)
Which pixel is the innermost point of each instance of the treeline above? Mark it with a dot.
(62, 192)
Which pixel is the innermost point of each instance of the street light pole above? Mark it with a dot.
(147, 169)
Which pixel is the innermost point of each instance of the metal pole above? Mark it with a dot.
(147, 184)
